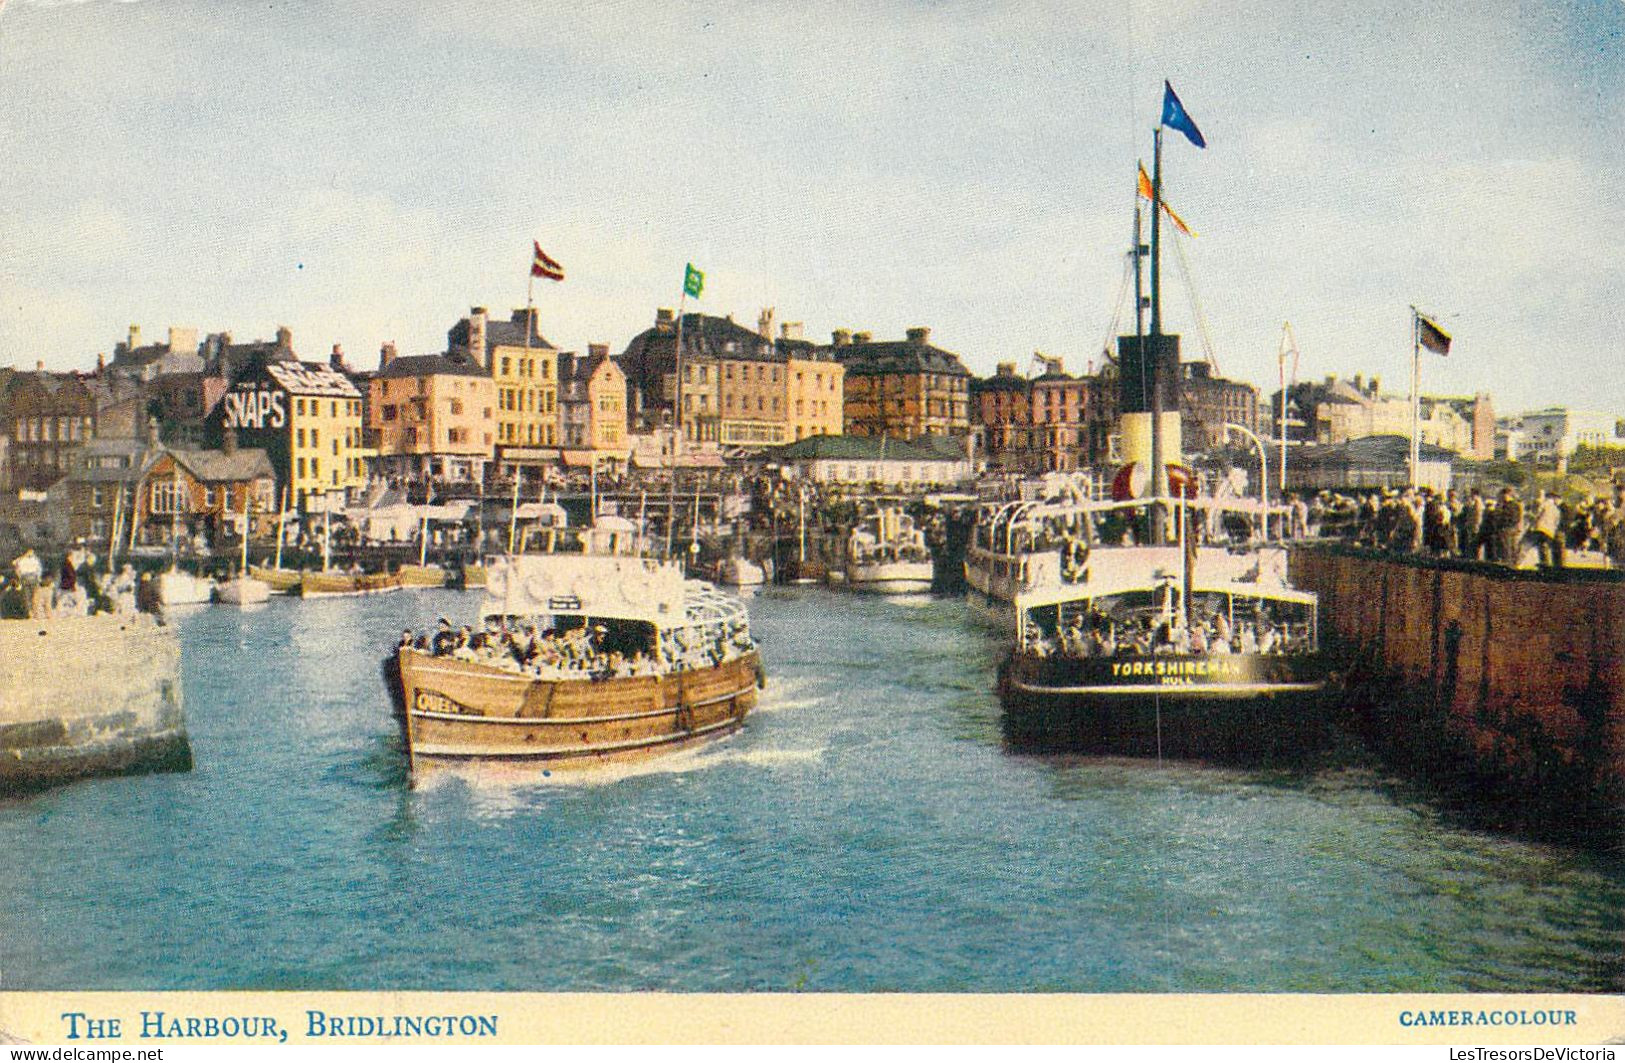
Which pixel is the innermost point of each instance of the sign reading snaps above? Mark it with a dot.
(258, 408)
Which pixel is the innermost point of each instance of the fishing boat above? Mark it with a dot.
(278, 579)
(736, 570)
(243, 588)
(887, 553)
(329, 583)
(804, 568)
(589, 654)
(1153, 635)
(422, 576)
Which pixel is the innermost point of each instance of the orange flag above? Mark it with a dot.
(1145, 190)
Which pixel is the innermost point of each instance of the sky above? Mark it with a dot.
(366, 172)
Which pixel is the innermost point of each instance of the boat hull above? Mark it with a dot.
(1241, 708)
(893, 577)
(280, 580)
(332, 584)
(461, 711)
(180, 588)
(243, 591)
(418, 576)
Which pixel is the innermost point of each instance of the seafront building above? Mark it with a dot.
(740, 388)
(930, 461)
(202, 496)
(524, 366)
(307, 417)
(431, 417)
(592, 406)
(901, 389)
(1336, 410)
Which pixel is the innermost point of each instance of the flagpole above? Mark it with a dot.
(1416, 388)
(1159, 470)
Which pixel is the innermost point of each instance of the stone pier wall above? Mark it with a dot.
(1507, 686)
(87, 696)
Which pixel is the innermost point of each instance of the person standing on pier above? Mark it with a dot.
(1437, 534)
(1468, 524)
(1508, 528)
(1548, 521)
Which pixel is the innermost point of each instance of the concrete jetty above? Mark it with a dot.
(1505, 687)
(82, 696)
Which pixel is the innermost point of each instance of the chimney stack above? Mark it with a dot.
(862, 337)
(477, 348)
(790, 330)
(39, 366)
(135, 336)
(183, 339)
(1375, 387)
(1005, 369)
(101, 362)
(841, 337)
(764, 323)
(919, 336)
(336, 359)
(228, 444)
(1359, 383)
(284, 338)
(665, 319)
(386, 354)
(597, 350)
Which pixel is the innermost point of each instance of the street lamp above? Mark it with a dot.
(1263, 471)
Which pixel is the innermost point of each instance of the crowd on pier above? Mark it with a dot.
(582, 652)
(34, 591)
(1497, 527)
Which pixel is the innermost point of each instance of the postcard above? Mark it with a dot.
(861, 522)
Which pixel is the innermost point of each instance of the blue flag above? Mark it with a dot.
(1174, 116)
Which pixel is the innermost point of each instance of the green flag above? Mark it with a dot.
(693, 281)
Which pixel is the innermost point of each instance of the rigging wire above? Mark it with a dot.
(1196, 302)
(1117, 307)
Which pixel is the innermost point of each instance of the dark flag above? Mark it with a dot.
(1174, 116)
(1432, 336)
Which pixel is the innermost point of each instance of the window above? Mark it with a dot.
(96, 497)
(299, 406)
(389, 413)
(507, 367)
(456, 407)
(208, 497)
(316, 468)
(299, 436)
(315, 438)
(299, 467)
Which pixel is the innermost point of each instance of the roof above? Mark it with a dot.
(312, 378)
(84, 471)
(416, 365)
(1001, 382)
(500, 333)
(219, 466)
(1371, 451)
(896, 356)
(871, 448)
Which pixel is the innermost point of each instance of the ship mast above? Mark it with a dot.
(1159, 467)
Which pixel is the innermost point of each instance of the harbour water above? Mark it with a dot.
(866, 831)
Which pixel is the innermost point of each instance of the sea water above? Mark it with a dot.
(866, 831)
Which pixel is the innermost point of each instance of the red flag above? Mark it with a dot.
(543, 266)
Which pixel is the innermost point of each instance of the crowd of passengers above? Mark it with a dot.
(581, 652)
(1215, 635)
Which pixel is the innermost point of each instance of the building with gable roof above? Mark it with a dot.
(525, 369)
(306, 416)
(432, 417)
